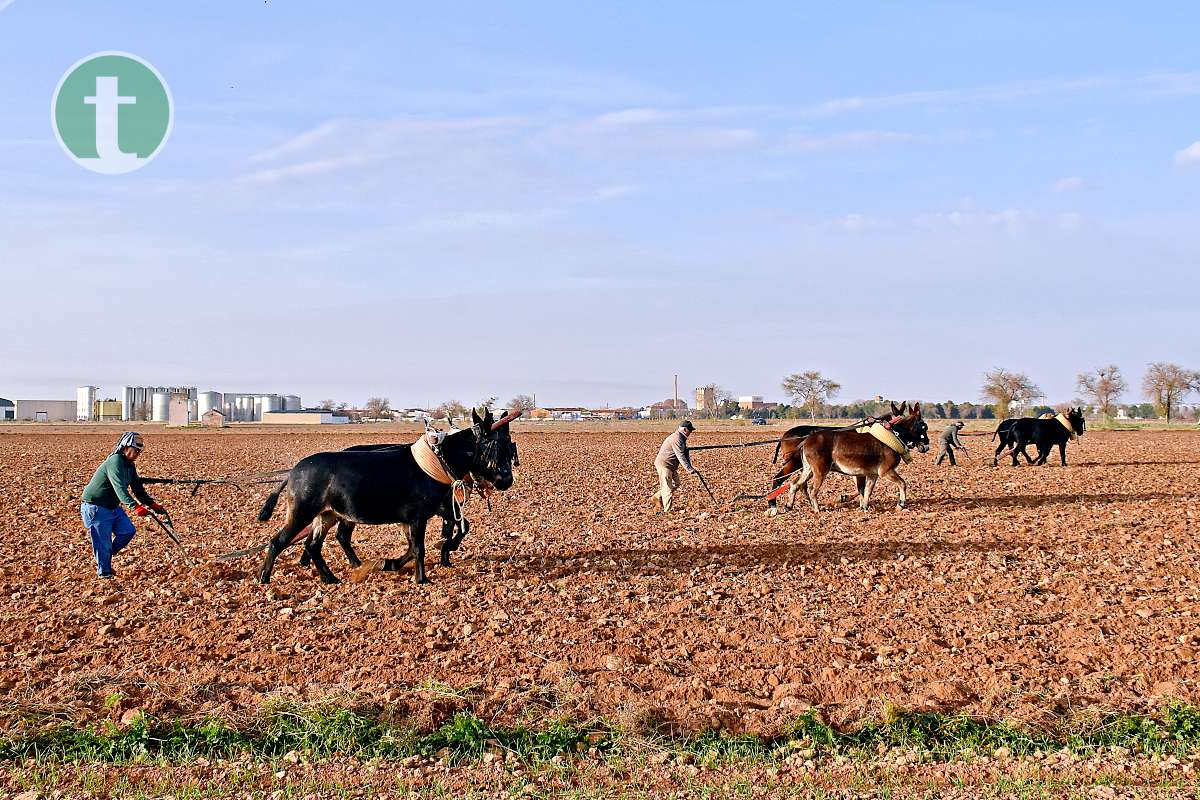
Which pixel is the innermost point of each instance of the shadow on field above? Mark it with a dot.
(1039, 500)
(685, 558)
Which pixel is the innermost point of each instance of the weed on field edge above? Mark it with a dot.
(321, 732)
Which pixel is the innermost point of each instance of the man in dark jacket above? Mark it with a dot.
(949, 442)
(107, 523)
(671, 456)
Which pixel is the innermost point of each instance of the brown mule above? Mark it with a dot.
(793, 460)
(861, 455)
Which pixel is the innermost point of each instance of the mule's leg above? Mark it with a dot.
(417, 538)
(345, 530)
(1062, 453)
(866, 492)
(796, 484)
(1000, 449)
(397, 564)
(818, 478)
(452, 536)
(314, 543)
(298, 518)
(860, 481)
(788, 467)
(895, 478)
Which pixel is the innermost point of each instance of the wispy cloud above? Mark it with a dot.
(1154, 83)
(638, 132)
(850, 140)
(1189, 155)
(1072, 184)
(6, 3)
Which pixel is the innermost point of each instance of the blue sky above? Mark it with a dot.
(461, 200)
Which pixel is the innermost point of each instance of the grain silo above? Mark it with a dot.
(291, 402)
(160, 405)
(207, 401)
(85, 403)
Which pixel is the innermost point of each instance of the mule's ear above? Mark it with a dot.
(475, 418)
(895, 411)
(916, 409)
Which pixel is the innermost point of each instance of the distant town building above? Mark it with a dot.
(562, 412)
(706, 398)
(750, 402)
(613, 413)
(8, 410)
(668, 408)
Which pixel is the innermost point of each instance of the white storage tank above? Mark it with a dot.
(193, 411)
(85, 403)
(245, 409)
(272, 402)
(207, 401)
(291, 402)
(160, 404)
(126, 403)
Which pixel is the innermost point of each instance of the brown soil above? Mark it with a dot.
(1020, 593)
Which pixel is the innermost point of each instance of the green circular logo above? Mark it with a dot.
(112, 112)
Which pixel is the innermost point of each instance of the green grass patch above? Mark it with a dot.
(321, 732)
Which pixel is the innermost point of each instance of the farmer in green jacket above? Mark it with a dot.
(109, 489)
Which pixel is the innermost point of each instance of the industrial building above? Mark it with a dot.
(155, 403)
(8, 410)
(45, 410)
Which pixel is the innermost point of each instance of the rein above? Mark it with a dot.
(859, 424)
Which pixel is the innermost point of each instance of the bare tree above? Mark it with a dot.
(451, 408)
(521, 402)
(326, 405)
(1167, 384)
(1007, 389)
(378, 407)
(1103, 387)
(810, 390)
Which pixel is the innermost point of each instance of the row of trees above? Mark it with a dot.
(1165, 384)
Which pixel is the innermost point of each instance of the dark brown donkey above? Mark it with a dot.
(860, 455)
(789, 448)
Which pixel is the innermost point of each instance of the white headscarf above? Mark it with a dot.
(129, 439)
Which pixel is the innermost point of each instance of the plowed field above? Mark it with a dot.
(1008, 592)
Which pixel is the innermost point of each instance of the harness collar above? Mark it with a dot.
(1066, 423)
(885, 435)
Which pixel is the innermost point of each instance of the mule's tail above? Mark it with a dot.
(998, 427)
(778, 447)
(272, 500)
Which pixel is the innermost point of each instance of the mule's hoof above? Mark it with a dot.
(330, 580)
(772, 511)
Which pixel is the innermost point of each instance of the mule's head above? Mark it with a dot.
(912, 429)
(494, 451)
(1075, 417)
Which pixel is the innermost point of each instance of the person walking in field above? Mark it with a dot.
(107, 523)
(671, 455)
(949, 442)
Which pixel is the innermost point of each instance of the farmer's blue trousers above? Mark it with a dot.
(110, 530)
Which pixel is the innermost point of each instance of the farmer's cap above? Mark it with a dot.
(687, 425)
(130, 439)
(960, 424)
